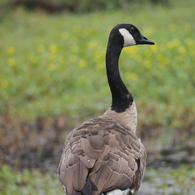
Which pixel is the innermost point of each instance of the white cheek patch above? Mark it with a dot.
(128, 38)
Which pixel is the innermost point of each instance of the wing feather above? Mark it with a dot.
(101, 153)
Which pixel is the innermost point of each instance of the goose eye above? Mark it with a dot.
(132, 30)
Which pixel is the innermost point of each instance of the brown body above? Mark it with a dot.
(102, 155)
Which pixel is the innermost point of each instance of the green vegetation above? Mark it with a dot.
(164, 181)
(27, 182)
(50, 64)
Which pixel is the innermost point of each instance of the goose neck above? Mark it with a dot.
(121, 97)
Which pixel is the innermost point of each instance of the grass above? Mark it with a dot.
(27, 182)
(164, 181)
(167, 181)
(50, 63)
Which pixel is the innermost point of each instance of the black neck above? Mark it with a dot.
(121, 97)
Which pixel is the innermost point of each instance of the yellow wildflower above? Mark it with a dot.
(51, 67)
(130, 50)
(181, 50)
(154, 48)
(189, 42)
(99, 56)
(11, 61)
(53, 48)
(162, 60)
(173, 43)
(82, 63)
(131, 75)
(92, 44)
(11, 50)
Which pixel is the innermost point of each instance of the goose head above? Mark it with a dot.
(128, 35)
(123, 105)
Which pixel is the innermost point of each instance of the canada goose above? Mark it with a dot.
(104, 155)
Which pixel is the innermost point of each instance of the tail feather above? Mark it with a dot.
(88, 188)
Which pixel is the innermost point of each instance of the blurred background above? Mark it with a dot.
(52, 77)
